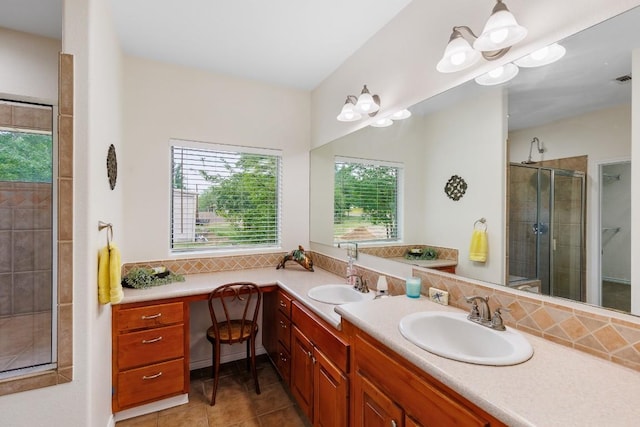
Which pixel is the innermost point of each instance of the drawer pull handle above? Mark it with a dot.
(393, 423)
(151, 341)
(283, 357)
(153, 316)
(283, 325)
(151, 377)
(282, 304)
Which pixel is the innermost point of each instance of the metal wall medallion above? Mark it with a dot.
(455, 188)
(112, 166)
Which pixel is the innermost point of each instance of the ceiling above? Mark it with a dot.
(290, 43)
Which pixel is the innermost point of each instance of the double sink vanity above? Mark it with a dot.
(356, 360)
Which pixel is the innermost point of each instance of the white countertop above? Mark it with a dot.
(558, 386)
(293, 279)
(427, 263)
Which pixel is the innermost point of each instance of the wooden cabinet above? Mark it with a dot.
(276, 331)
(150, 352)
(319, 367)
(389, 391)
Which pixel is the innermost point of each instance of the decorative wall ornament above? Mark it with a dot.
(112, 166)
(455, 188)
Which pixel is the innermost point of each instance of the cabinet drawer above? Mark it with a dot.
(283, 363)
(151, 382)
(283, 328)
(150, 316)
(284, 303)
(150, 346)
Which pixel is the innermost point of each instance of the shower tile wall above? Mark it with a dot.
(25, 248)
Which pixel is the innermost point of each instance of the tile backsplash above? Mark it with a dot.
(605, 334)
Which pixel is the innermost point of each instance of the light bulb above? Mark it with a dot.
(458, 58)
(498, 36)
(496, 72)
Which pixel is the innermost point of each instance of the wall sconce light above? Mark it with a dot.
(354, 108)
(498, 75)
(388, 120)
(500, 33)
(544, 56)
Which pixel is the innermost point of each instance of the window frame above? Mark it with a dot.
(399, 197)
(232, 149)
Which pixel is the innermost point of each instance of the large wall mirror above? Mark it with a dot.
(546, 159)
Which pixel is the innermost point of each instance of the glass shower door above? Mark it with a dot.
(567, 240)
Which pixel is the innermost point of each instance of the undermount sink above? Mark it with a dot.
(453, 336)
(339, 294)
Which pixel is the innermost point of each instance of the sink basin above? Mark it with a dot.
(339, 294)
(453, 336)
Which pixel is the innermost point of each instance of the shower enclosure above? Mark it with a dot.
(546, 230)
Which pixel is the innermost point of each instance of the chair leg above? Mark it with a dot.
(253, 363)
(248, 356)
(216, 371)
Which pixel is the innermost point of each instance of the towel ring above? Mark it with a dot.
(482, 222)
(102, 225)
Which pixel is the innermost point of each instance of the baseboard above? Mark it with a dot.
(152, 407)
(204, 363)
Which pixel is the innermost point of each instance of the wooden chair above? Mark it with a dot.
(229, 329)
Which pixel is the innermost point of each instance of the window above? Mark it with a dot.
(366, 195)
(224, 197)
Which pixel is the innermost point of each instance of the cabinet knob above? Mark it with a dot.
(153, 316)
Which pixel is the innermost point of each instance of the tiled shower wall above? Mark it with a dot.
(25, 247)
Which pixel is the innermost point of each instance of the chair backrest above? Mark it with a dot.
(245, 295)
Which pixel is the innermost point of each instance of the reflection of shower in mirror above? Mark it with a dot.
(538, 146)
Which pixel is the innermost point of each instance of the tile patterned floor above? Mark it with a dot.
(25, 340)
(237, 404)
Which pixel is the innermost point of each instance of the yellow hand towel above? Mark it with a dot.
(115, 284)
(479, 246)
(104, 290)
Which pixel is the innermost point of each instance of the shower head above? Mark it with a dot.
(538, 146)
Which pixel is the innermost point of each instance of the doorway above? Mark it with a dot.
(615, 240)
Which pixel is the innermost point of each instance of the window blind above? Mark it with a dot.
(224, 197)
(366, 200)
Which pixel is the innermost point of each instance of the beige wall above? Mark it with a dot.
(165, 101)
(30, 66)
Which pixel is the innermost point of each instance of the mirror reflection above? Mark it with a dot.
(556, 197)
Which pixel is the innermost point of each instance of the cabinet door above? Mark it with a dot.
(372, 407)
(331, 394)
(302, 372)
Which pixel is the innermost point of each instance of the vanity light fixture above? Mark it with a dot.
(386, 121)
(355, 107)
(498, 75)
(500, 33)
(543, 56)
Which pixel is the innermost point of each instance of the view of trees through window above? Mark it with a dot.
(365, 202)
(223, 199)
(25, 157)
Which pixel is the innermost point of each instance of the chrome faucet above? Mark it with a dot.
(360, 283)
(480, 313)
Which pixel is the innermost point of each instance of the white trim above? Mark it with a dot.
(368, 162)
(152, 407)
(175, 142)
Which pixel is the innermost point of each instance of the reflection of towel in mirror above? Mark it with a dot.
(109, 286)
(479, 246)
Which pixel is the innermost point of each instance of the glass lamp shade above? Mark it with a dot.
(348, 113)
(366, 104)
(401, 115)
(500, 31)
(382, 123)
(544, 56)
(458, 55)
(498, 75)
